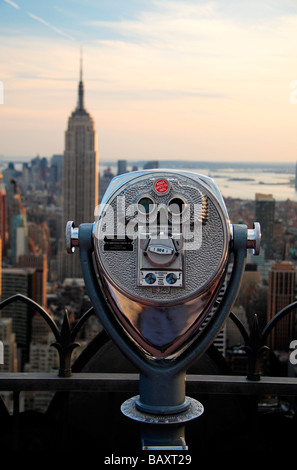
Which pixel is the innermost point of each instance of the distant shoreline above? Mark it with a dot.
(178, 164)
(210, 165)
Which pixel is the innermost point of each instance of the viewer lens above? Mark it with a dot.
(176, 206)
(146, 205)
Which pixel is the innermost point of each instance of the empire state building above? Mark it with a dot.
(80, 176)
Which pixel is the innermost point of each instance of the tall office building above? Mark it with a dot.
(80, 177)
(15, 280)
(3, 212)
(122, 167)
(10, 348)
(38, 282)
(264, 213)
(296, 177)
(28, 281)
(17, 226)
(0, 268)
(281, 292)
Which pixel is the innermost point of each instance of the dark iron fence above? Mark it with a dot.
(85, 409)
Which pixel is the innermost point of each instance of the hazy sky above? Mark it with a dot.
(163, 79)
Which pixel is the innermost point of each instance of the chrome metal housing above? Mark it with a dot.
(163, 317)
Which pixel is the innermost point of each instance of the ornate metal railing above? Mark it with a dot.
(71, 377)
(254, 342)
(65, 339)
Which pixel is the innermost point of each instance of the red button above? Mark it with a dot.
(161, 186)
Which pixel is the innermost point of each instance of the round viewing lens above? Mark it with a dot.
(176, 206)
(146, 205)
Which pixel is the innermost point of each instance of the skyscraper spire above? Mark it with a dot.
(80, 176)
(81, 66)
(80, 105)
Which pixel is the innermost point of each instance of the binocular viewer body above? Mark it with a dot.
(154, 262)
(162, 244)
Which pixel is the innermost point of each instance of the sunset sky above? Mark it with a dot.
(191, 80)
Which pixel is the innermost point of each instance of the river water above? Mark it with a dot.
(243, 183)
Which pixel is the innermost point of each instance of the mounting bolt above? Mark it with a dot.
(71, 237)
(254, 238)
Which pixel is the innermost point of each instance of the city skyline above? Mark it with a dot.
(165, 80)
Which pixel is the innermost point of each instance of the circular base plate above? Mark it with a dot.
(130, 410)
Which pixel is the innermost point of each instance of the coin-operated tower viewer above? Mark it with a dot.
(153, 264)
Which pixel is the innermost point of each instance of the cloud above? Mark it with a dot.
(179, 78)
(143, 95)
(203, 28)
